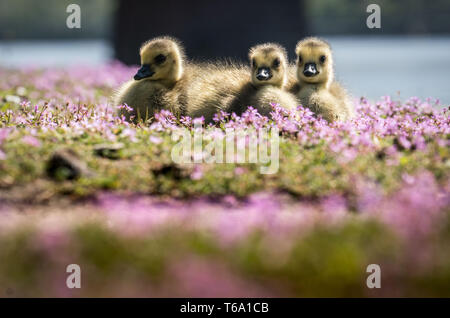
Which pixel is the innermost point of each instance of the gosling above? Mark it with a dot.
(316, 87)
(269, 77)
(213, 87)
(158, 84)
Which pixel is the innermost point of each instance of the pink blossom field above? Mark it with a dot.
(374, 190)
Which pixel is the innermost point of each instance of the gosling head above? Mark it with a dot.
(314, 61)
(161, 60)
(269, 65)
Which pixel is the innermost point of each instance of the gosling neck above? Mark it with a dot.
(316, 86)
(172, 80)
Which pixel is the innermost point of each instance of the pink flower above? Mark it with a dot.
(155, 140)
(32, 141)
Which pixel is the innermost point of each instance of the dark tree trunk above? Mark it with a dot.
(208, 29)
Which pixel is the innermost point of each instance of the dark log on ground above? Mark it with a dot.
(208, 29)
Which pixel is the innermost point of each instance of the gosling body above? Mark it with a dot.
(212, 88)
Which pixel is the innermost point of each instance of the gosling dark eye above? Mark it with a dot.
(323, 59)
(160, 59)
(254, 63)
(300, 60)
(276, 63)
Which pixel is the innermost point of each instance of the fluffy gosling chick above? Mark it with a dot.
(158, 84)
(269, 76)
(316, 87)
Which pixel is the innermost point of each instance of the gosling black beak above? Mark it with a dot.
(310, 70)
(144, 72)
(264, 74)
